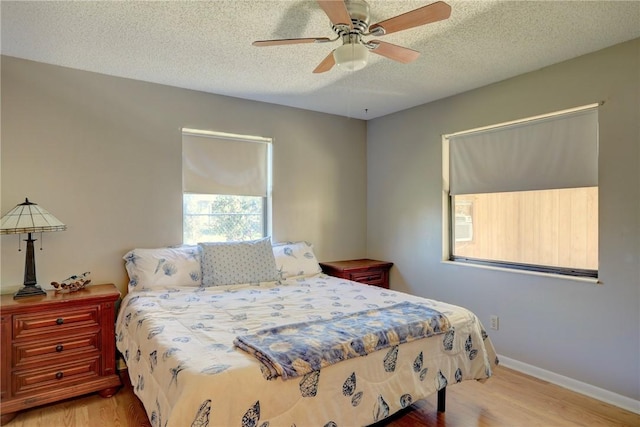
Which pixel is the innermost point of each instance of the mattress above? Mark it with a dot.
(177, 343)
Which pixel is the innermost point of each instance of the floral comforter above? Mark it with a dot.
(178, 344)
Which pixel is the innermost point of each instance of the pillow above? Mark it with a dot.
(231, 263)
(177, 266)
(295, 259)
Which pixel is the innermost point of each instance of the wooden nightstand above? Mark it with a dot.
(57, 346)
(367, 271)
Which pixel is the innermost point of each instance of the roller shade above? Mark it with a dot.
(560, 151)
(217, 165)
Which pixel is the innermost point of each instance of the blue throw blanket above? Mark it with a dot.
(297, 349)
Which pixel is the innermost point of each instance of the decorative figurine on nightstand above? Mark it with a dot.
(73, 283)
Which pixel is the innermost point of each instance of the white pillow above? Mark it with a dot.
(231, 263)
(295, 259)
(148, 268)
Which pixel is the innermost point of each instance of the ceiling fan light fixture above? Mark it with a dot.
(351, 57)
(350, 22)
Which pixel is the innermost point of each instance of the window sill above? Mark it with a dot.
(593, 280)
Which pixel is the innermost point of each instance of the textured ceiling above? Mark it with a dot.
(206, 46)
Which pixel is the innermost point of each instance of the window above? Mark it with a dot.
(226, 181)
(524, 194)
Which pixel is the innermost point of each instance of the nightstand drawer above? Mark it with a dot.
(55, 351)
(374, 277)
(30, 380)
(55, 322)
(369, 271)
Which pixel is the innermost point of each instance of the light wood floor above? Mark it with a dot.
(509, 399)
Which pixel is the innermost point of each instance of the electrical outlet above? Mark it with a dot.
(495, 322)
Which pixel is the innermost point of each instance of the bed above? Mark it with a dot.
(180, 335)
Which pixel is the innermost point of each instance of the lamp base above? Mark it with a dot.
(29, 291)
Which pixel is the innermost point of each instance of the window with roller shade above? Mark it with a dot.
(524, 194)
(226, 181)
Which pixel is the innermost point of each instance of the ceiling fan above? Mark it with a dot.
(350, 21)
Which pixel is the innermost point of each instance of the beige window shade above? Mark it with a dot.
(554, 152)
(218, 165)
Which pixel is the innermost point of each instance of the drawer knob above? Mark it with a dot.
(59, 375)
(59, 320)
(59, 348)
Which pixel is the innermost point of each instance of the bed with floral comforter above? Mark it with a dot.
(178, 344)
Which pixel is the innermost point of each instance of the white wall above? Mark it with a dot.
(587, 332)
(103, 154)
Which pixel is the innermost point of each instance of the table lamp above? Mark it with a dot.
(29, 218)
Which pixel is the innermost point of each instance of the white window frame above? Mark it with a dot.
(267, 200)
(448, 214)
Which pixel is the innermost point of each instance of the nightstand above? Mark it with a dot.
(367, 271)
(57, 346)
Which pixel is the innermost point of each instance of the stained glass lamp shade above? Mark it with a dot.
(29, 218)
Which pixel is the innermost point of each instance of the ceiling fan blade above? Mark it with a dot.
(326, 64)
(430, 13)
(337, 12)
(395, 52)
(279, 42)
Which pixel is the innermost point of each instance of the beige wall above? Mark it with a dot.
(103, 154)
(587, 332)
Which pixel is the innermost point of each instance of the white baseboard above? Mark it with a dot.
(573, 385)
